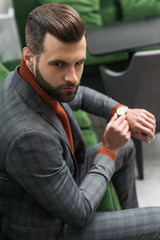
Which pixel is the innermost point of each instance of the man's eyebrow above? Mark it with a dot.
(52, 62)
(83, 59)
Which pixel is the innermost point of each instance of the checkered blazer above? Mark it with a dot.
(41, 189)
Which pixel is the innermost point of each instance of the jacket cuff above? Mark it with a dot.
(108, 153)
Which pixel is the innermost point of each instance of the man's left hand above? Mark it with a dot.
(142, 124)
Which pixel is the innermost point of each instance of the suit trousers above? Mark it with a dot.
(129, 223)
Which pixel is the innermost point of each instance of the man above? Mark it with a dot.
(50, 186)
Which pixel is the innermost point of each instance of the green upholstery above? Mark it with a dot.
(90, 10)
(22, 9)
(133, 9)
(3, 72)
(108, 11)
(11, 65)
(110, 201)
(86, 127)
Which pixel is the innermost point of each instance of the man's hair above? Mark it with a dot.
(58, 19)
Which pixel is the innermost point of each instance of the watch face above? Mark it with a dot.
(122, 110)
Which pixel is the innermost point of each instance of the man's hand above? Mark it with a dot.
(141, 123)
(116, 134)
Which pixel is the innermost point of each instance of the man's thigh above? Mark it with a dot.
(137, 224)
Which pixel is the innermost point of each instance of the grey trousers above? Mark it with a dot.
(130, 223)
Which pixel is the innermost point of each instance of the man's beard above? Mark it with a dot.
(55, 91)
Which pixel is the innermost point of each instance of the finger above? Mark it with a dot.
(145, 126)
(115, 116)
(144, 117)
(150, 115)
(126, 128)
(121, 119)
(140, 137)
(127, 132)
(147, 131)
(149, 121)
(124, 125)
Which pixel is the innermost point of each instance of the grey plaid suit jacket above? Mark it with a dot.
(41, 187)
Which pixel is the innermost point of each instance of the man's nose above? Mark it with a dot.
(71, 76)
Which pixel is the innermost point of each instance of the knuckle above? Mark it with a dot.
(112, 127)
(140, 118)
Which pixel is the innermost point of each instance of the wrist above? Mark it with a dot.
(108, 152)
(115, 108)
(121, 110)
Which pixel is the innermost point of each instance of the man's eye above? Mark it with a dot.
(59, 64)
(79, 62)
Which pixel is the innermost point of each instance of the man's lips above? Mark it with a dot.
(69, 88)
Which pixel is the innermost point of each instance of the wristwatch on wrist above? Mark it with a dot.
(121, 110)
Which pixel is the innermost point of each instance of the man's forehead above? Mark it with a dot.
(55, 49)
(52, 41)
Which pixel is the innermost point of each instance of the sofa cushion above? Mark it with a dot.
(3, 72)
(133, 9)
(110, 201)
(88, 9)
(108, 11)
(85, 124)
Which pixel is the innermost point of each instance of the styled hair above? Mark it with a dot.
(58, 19)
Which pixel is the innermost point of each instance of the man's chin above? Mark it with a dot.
(68, 97)
(64, 97)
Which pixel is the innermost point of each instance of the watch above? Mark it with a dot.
(121, 110)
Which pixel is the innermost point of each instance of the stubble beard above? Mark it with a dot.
(55, 92)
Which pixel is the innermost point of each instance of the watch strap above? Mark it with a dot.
(115, 109)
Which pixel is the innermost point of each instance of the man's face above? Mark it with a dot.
(59, 67)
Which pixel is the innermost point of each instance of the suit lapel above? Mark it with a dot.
(31, 97)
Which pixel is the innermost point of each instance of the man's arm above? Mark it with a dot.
(141, 122)
(93, 102)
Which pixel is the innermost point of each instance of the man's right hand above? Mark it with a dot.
(116, 134)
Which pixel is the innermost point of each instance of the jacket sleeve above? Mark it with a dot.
(93, 102)
(40, 164)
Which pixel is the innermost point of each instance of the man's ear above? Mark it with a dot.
(29, 58)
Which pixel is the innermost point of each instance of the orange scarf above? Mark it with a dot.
(26, 74)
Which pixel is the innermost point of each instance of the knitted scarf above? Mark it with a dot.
(26, 74)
